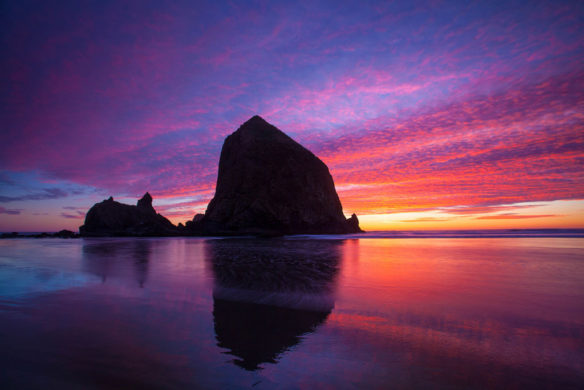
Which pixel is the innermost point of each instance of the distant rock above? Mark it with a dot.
(60, 234)
(10, 235)
(65, 234)
(111, 218)
(269, 184)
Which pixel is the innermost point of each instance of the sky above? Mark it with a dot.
(429, 115)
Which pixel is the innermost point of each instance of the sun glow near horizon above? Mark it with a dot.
(544, 215)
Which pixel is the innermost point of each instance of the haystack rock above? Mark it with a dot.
(111, 218)
(270, 184)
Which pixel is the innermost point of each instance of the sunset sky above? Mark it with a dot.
(438, 115)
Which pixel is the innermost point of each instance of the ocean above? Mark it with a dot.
(441, 310)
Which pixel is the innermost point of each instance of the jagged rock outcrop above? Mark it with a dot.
(111, 218)
(145, 204)
(270, 184)
(194, 224)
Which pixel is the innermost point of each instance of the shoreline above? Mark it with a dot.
(486, 233)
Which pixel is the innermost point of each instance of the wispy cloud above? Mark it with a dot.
(485, 209)
(516, 216)
(426, 219)
(49, 193)
(76, 215)
(9, 211)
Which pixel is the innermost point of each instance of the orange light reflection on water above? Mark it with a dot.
(469, 302)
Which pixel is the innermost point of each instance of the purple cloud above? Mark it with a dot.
(48, 193)
(9, 211)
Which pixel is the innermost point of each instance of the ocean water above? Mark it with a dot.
(364, 311)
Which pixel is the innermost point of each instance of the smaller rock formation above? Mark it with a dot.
(195, 225)
(65, 234)
(353, 223)
(111, 218)
(145, 204)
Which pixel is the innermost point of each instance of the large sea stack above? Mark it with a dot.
(111, 218)
(270, 184)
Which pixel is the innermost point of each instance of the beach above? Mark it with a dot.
(363, 311)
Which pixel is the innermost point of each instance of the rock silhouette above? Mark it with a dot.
(270, 184)
(111, 218)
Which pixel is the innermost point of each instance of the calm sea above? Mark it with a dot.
(432, 310)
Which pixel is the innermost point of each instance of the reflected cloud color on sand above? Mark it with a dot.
(303, 312)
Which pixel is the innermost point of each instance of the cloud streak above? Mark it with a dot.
(4, 210)
(46, 194)
(516, 216)
(76, 215)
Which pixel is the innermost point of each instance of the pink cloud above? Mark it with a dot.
(4, 210)
(516, 216)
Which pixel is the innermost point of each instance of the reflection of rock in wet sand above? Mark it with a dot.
(257, 333)
(127, 258)
(269, 293)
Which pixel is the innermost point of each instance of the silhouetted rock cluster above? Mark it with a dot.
(268, 184)
(111, 218)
